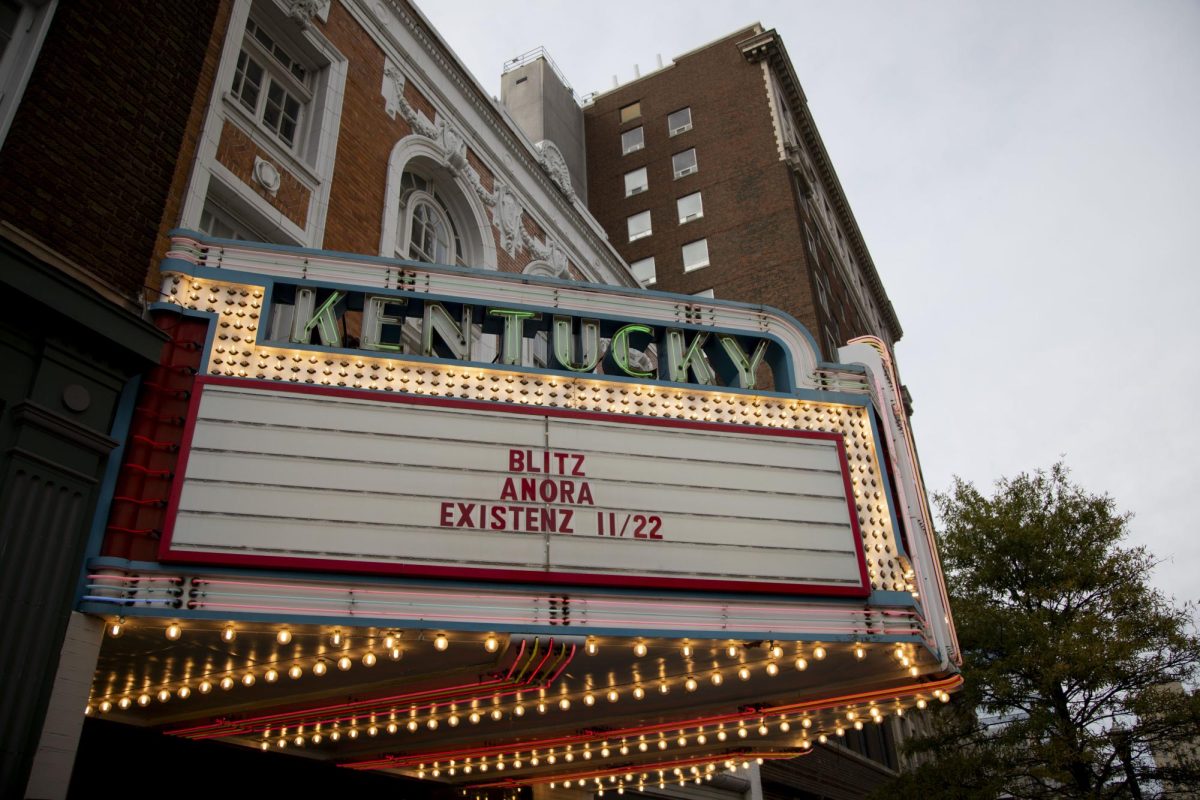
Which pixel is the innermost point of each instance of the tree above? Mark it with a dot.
(1072, 661)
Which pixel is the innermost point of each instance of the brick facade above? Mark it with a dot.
(755, 216)
(238, 153)
(104, 121)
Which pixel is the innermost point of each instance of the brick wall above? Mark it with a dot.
(90, 160)
(752, 213)
(237, 151)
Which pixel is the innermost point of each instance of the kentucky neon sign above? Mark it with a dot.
(394, 323)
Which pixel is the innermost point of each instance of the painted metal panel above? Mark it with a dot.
(353, 483)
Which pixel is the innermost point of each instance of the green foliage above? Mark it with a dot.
(1072, 661)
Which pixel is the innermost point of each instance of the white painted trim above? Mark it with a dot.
(20, 57)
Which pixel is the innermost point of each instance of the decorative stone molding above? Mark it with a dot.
(303, 11)
(507, 214)
(552, 161)
(267, 174)
(455, 147)
(395, 101)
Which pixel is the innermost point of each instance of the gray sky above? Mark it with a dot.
(1025, 175)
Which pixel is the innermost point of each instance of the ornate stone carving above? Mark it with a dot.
(507, 213)
(395, 101)
(558, 260)
(267, 174)
(303, 11)
(551, 159)
(455, 147)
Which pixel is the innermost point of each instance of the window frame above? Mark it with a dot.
(707, 256)
(641, 144)
(691, 170)
(645, 186)
(643, 234)
(653, 271)
(678, 129)
(275, 74)
(683, 220)
(636, 112)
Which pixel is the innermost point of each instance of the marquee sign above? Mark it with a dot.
(449, 488)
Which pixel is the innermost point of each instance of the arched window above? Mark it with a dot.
(428, 232)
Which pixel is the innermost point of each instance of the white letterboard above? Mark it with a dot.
(292, 479)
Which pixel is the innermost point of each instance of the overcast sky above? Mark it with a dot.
(1026, 177)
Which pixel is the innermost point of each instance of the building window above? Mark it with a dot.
(822, 290)
(429, 232)
(680, 121)
(216, 221)
(636, 181)
(632, 141)
(631, 112)
(684, 163)
(706, 293)
(695, 255)
(690, 207)
(271, 84)
(639, 226)
(644, 271)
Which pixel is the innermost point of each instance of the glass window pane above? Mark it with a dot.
(635, 181)
(684, 163)
(631, 111)
(644, 270)
(690, 207)
(695, 255)
(639, 225)
(680, 121)
(632, 140)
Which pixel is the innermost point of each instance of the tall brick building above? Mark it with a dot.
(710, 175)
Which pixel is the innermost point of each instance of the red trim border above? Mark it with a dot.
(334, 566)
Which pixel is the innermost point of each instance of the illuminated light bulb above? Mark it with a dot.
(284, 636)
(643, 747)
(440, 642)
(921, 704)
(519, 711)
(264, 745)
(369, 659)
(717, 679)
(776, 651)
(248, 679)
(452, 720)
(335, 638)
(228, 634)
(124, 703)
(640, 649)
(335, 735)
(801, 664)
(638, 693)
(271, 675)
(945, 698)
(860, 652)
(320, 668)
(564, 704)
(701, 739)
(143, 699)
(762, 730)
(205, 687)
(105, 706)
(604, 751)
(497, 714)
(174, 631)
(115, 629)
(612, 695)
(432, 724)
(389, 641)
(772, 669)
(591, 648)
(395, 653)
(373, 730)
(295, 672)
(722, 736)
(913, 671)
(785, 726)
(681, 741)
(164, 695)
(732, 651)
(352, 733)
(662, 744)
(687, 651)
(743, 733)
(344, 663)
(491, 644)
(744, 673)
(226, 683)
(690, 684)
(858, 726)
